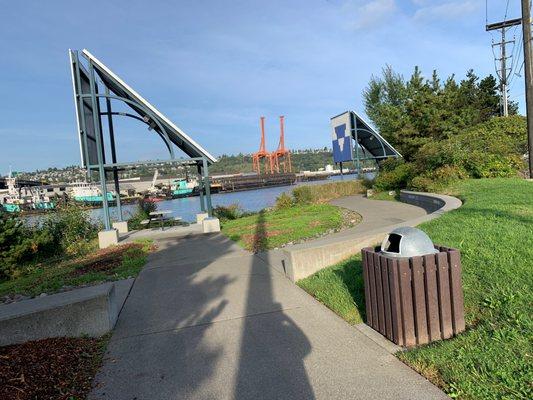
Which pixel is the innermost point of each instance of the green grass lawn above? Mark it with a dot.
(492, 359)
(270, 229)
(113, 263)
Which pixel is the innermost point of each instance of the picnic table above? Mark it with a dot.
(160, 216)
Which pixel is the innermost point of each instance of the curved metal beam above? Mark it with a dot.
(163, 134)
(380, 142)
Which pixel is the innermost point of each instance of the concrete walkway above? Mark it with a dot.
(376, 215)
(208, 320)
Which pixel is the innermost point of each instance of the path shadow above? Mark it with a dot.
(273, 347)
(158, 349)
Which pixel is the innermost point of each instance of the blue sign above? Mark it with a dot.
(342, 144)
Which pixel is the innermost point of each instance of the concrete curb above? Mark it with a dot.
(301, 261)
(91, 311)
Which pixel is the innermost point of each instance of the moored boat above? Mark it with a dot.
(89, 193)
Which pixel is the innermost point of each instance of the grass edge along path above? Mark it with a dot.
(301, 215)
(492, 359)
(113, 263)
(288, 225)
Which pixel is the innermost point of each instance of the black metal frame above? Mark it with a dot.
(149, 119)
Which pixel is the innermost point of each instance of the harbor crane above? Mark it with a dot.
(262, 154)
(281, 156)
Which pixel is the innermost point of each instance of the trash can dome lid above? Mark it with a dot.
(407, 242)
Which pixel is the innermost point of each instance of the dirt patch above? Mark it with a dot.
(314, 224)
(57, 368)
(104, 260)
(258, 241)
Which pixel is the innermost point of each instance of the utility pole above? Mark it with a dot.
(528, 65)
(502, 74)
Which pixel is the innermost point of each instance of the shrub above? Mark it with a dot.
(390, 164)
(303, 195)
(20, 245)
(422, 183)
(438, 179)
(144, 208)
(69, 227)
(323, 193)
(397, 178)
(284, 201)
(368, 183)
(225, 213)
(488, 150)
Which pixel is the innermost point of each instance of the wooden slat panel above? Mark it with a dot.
(445, 306)
(419, 297)
(366, 254)
(458, 318)
(396, 310)
(373, 298)
(386, 297)
(432, 297)
(379, 294)
(406, 302)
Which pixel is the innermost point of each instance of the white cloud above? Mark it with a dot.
(447, 10)
(368, 14)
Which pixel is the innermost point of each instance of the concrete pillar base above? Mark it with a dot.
(200, 217)
(211, 224)
(121, 226)
(107, 238)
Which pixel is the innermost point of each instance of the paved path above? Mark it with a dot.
(376, 215)
(208, 320)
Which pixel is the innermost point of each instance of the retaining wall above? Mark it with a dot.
(90, 311)
(301, 261)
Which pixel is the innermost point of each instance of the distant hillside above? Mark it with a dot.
(302, 160)
(310, 160)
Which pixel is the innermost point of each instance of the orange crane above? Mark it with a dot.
(281, 156)
(262, 153)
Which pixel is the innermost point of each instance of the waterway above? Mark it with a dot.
(249, 200)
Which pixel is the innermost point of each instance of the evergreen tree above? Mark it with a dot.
(413, 113)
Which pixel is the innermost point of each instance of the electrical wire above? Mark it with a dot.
(506, 9)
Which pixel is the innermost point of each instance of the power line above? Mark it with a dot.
(506, 9)
(504, 73)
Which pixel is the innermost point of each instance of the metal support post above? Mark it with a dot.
(113, 154)
(201, 188)
(207, 184)
(99, 145)
(528, 68)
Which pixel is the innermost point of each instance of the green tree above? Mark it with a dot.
(413, 113)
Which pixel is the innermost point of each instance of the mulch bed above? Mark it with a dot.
(56, 368)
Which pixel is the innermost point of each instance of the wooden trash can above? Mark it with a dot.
(414, 300)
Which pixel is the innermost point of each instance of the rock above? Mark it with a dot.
(43, 295)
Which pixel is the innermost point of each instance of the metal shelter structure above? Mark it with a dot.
(352, 134)
(95, 86)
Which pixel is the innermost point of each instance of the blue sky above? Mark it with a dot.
(214, 67)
